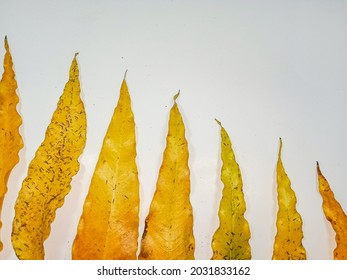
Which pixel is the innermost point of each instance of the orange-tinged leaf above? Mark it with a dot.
(335, 215)
(168, 233)
(231, 239)
(288, 240)
(10, 140)
(108, 228)
(50, 172)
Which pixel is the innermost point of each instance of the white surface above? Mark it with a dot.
(265, 69)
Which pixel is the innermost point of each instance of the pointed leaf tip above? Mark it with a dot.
(6, 43)
(318, 168)
(220, 124)
(125, 74)
(176, 95)
(280, 149)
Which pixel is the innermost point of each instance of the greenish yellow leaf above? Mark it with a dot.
(231, 240)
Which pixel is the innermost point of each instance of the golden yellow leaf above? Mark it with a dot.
(288, 240)
(168, 233)
(231, 239)
(50, 172)
(335, 215)
(108, 228)
(10, 140)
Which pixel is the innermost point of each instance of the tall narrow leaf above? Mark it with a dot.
(50, 172)
(231, 240)
(10, 140)
(288, 240)
(335, 215)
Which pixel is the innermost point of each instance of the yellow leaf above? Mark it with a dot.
(230, 241)
(168, 233)
(50, 172)
(10, 140)
(335, 215)
(108, 228)
(288, 240)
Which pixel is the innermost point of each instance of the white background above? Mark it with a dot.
(265, 69)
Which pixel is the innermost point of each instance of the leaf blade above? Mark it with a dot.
(113, 194)
(50, 172)
(288, 239)
(11, 141)
(168, 233)
(231, 239)
(335, 215)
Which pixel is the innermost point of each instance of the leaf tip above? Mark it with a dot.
(75, 56)
(176, 95)
(125, 74)
(220, 124)
(6, 43)
(318, 168)
(280, 149)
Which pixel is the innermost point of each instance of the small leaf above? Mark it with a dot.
(288, 240)
(335, 215)
(10, 140)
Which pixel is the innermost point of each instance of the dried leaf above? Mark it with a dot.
(288, 240)
(108, 228)
(168, 233)
(10, 140)
(231, 240)
(335, 215)
(50, 172)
